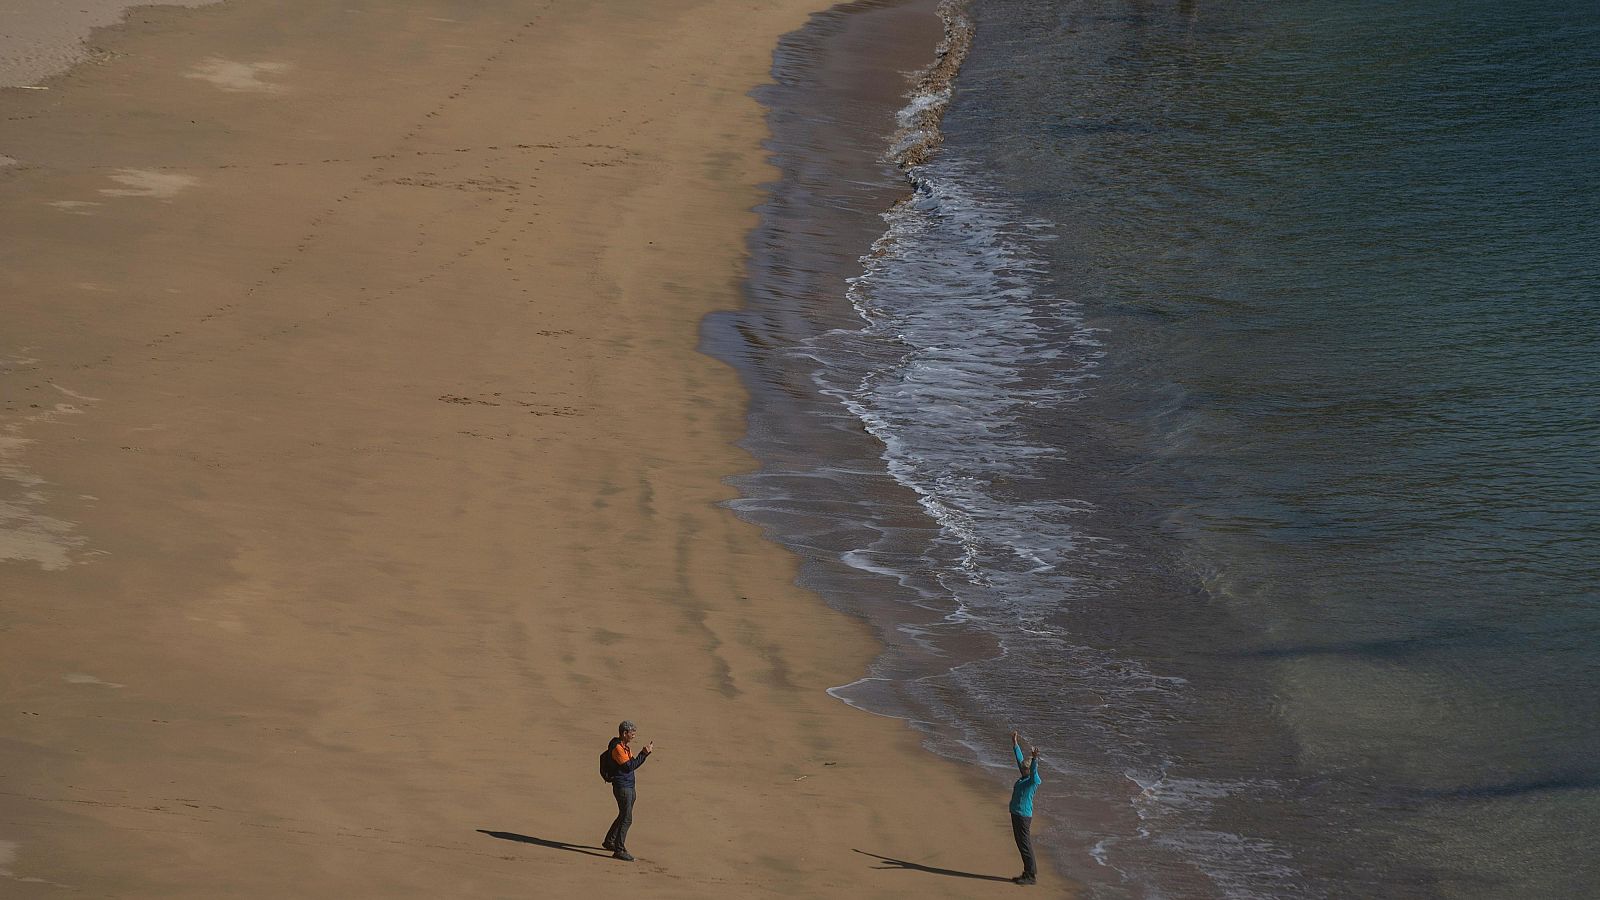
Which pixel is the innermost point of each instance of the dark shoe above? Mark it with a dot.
(1024, 879)
(623, 855)
(607, 845)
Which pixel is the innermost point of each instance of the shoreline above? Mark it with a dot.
(823, 489)
(843, 151)
(45, 39)
(826, 487)
(346, 525)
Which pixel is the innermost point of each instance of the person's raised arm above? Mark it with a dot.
(1033, 767)
(1016, 750)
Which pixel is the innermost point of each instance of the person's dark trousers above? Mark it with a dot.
(617, 837)
(1020, 827)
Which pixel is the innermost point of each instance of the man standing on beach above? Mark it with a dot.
(1022, 808)
(623, 763)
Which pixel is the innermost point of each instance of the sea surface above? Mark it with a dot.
(1218, 402)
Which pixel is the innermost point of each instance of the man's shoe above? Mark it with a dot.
(607, 845)
(622, 855)
(1024, 879)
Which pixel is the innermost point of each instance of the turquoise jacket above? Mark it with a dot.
(1022, 792)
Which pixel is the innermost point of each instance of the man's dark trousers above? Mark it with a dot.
(1020, 826)
(617, 837)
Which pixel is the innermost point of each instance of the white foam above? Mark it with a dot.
(955, 323)
(1241, 866)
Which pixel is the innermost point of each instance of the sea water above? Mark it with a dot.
(1222, 409)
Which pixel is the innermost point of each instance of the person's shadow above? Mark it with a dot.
(905, 866)
(585, 849)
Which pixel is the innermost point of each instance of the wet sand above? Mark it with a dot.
(358, 472)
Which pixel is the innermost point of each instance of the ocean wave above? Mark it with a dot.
(919, 119)
(960, 345)
(959, 542)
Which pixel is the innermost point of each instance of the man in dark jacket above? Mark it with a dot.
(623, 764)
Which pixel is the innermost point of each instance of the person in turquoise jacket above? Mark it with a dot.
(1022, 808)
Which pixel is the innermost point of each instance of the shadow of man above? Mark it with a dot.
(585, 849)
(906, 866)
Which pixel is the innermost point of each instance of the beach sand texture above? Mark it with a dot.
(358, 472)
(40, 38)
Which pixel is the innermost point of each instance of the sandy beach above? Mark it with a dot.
(359, 472)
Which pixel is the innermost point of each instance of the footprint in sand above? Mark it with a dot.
(238, 76)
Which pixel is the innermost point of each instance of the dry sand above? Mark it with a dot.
(358, 473)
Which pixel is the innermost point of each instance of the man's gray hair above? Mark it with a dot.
(626, 726)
